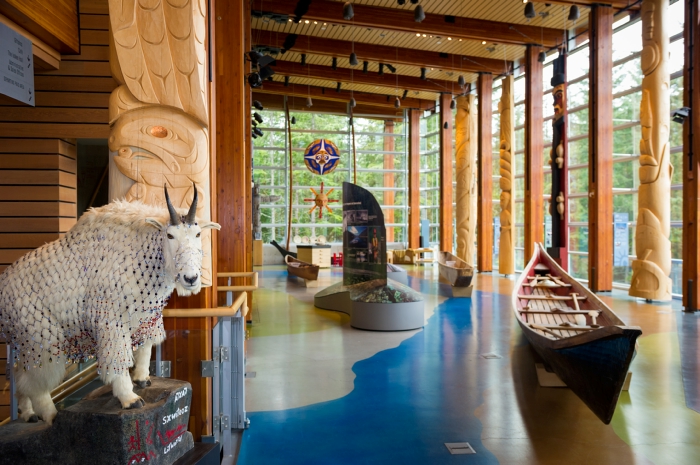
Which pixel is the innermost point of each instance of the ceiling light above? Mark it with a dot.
(334, 66)
(309, 102)
(348, 12)
(449, 38)
(353, 103)
(401, 2)
(258, 105)
(405, 93)
(483, 42)
(446, 125)
(294, 120)
(353, 59)
(422, 74)
(530, 11)
(453, 104)
(414, 1)
(542, 57)
(397, 103)
(574, 13)
(381, 69)
(303, 59)
(417, 34)
(337, 88)
(365, 64)
(315, 22)
(306, 21)
(460, 81)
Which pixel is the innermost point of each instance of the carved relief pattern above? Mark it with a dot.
(159, 113)
(651, 269)
(466, 127)
(506, 246)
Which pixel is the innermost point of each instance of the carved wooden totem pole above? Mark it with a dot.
(506, 245)
(465, 154)
(558, 201)
(651, 269)
(159, 114)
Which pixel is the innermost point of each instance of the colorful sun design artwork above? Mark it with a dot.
(321, 200)
(321, 156)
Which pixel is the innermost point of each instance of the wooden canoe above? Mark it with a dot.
(579, 337)
(458, 274)
(301, 269)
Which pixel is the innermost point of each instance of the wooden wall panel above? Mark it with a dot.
(534, 148)
(484, 237)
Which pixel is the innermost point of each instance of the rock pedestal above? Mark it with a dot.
(98, 430)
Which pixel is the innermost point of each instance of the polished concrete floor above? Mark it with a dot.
(325, 393)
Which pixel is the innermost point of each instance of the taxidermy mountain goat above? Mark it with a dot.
(99, 291)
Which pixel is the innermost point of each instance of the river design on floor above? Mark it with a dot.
(406, 403)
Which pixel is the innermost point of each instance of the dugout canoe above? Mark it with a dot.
(301, 269)
(579, 337)
(455, 270)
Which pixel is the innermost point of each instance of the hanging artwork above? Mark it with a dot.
(321, 200)
(321, 156)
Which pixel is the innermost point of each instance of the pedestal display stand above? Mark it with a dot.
(98, 430)
(372, 301)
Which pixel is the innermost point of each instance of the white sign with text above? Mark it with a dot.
(16, 66)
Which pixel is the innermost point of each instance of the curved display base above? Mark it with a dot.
(375, 316)
(398, 276)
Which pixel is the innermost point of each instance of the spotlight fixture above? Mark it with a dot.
(419, 14)
(574, 13)
(460, 81)
(309, 102)
(337, 87)
(254, 80)
(257, 117)
(530, 10)
(353, 59)
(334, 66)
(680, 115)
(254, 136)
(254, 123)
(286, 81)
(253, 56)
(350, 121)
(405, 93)
(353, 103)
(422, 74)
(414, 1)
(391, 68)
(258, 105)
(294, 120)
(348, 12)
(453, 104)
(365, 64)
(541, 57)
(397, 102)
(257, 132)
(303, 59)
(401, 2)
(381, 69)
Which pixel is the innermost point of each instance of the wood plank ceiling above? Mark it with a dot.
(549, 16)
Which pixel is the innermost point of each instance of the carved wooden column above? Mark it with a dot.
(389, 178)
(446, 211)
(691, 160)
(414, 178)
(506, 245)
(651, 269)
(465, 156)
(559, 205)
(600, 202)
(484, 257)
(534, 163)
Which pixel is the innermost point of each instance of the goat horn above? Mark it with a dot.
(193, 208)
(174, 217)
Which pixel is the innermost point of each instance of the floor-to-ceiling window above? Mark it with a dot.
(430, 173)
(382, 159)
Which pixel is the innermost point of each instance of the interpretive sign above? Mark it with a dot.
(16, 66)
(621, 249)
(364, 236)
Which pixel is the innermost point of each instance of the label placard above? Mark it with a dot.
(16, 66)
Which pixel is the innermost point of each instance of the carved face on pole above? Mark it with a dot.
(559, 101)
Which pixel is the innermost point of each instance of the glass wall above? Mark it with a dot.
(382, 162)
(430, 173)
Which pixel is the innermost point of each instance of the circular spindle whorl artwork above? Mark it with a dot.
(321, 156)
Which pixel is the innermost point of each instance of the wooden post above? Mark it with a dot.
(600, 202)
(691, 160)
(484, 235)
(534, 175)
(652, 268)
(446, 210)
(414, 179)
(389, 182)
(466, 148)
(506, 247)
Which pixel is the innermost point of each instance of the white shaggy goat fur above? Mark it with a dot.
(99, 291)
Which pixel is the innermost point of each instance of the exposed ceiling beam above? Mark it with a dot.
(382, 53)
(276, 102)
(392, 19)
(618, 4)
(323, 93)
(394, 81)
